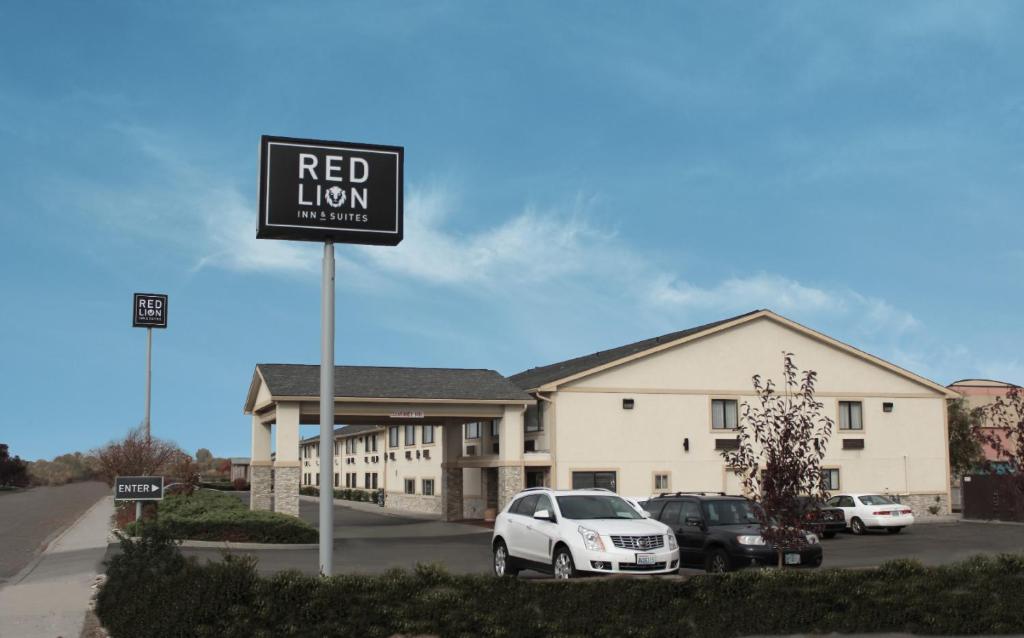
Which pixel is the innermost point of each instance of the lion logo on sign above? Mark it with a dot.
(335, 196)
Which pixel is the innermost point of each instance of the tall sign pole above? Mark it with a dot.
(149, 375)
(329, 192)
(327, 412)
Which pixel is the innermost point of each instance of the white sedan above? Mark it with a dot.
(873, 511)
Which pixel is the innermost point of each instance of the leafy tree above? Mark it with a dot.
(204, 456)
(1004, 433)
(136, 455)
(13, 471)
(66, 468)
(782, 444)
(965, 449)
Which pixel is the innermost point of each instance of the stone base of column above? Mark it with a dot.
(260, 495)
(286, 490)
(451, 493)
(510, 483)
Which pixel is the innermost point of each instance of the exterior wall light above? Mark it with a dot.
(627, 404)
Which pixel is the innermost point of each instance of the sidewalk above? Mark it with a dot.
(49, 598)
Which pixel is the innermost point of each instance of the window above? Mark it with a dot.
(472, 430)
(661, 482)
(831, 478)
(335, 479)
(366, 480)
(496, 429)
(670, 515)
(723, 414)
(347, 484)
(544, 503)
(318, 478)
(393, 436)
(410, 486)
(591, 480)
(410, 435)
(428, 487)
(851, 415)
(373, 480)
(373, 442)
(428, 434)
(690, 510)
(533, 418)
(526, 505)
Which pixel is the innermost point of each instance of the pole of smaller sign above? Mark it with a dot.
(149, 375)
(327, 413)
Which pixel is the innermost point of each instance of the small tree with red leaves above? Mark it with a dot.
(782, 443)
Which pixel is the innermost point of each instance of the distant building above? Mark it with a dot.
(240, 468)
(980, 393)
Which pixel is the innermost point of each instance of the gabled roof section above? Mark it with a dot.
(373, 382)
(346, 430)
(549, 377)
(550, 374)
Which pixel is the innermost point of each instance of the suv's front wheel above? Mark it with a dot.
(562, 565)
(503, 562)
(717, 562)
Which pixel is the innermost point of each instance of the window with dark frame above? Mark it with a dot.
(593, 480)
(724, 414)
(410, 486)
(428, 487)
(851, 415)
(831, 477)
(393, 436)
(473, 430)
(661, 482)
(428, 434)
(410, 435)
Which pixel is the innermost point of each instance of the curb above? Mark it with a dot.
(50, 540)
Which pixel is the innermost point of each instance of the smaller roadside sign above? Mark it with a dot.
(149, 310)
(139, 488)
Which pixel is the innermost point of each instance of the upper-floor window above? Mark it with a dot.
(830, 476)
(495, 428)
(428, 434)
(851, 415)
(472, 430)
(724, 414)
(410, 435)
(393, 436)
(373, 443)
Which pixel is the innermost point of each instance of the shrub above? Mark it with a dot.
(152, 592)
(209, 515)
(309, 490)
(240, 485)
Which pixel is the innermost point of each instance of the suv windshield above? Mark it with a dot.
(589, 507)
(731, 512)
(874, 499)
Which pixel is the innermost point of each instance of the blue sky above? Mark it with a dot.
(578, 175)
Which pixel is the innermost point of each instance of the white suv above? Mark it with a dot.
(567, 532)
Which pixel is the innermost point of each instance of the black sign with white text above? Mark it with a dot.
(149, 310)
(313, 190)
(139, 488)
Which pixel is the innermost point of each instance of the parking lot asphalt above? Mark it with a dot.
(29, 518)
(370, 543)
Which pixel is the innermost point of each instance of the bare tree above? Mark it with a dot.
(136, 455)
(782, 444)
(1002, 430)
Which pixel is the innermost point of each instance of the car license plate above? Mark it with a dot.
(792, 559)
(645, 559)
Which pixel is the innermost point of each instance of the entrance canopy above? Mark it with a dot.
(286, 395)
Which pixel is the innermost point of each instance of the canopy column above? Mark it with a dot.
(260, 497)
(510, 453)
(451, 472)
(286, 462)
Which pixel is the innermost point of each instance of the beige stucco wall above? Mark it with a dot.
(905, 450)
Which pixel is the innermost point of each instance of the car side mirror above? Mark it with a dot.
(543, 515)
(693, 521)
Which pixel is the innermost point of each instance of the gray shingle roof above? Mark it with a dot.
(536, 377)
(345, 430)
(371, 382)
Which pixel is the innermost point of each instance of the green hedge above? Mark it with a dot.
(151, 591)
(345, 494)
(209, 515)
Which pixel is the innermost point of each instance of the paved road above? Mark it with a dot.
(368, 542)
(28, 518)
